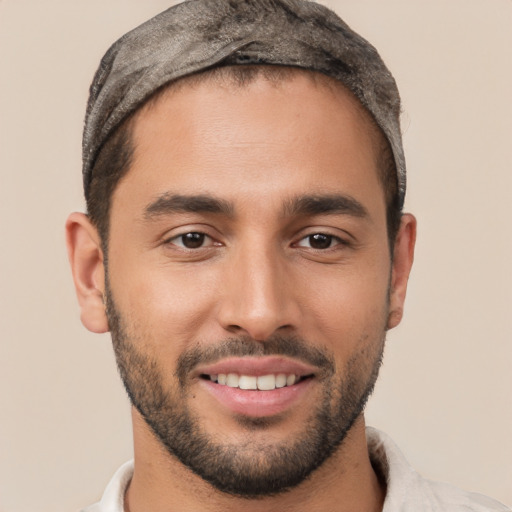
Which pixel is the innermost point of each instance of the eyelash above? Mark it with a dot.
(199, 237)
(333, 241)
(196, 236)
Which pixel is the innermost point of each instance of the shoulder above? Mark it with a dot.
(113, 497)
(408, 491)
(447, 497)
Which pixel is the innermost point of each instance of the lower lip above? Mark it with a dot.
(257, 404)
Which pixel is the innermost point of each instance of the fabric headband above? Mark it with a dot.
(200, 34)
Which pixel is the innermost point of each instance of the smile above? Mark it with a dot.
(257, 386)
(253, 382)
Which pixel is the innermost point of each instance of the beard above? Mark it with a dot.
(246, 469)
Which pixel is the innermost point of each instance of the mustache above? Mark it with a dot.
(242, 346)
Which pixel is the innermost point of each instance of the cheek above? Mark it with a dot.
(347, 305)
(163, 306)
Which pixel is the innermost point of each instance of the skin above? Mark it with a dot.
(256, 148)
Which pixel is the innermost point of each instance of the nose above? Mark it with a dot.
(257, 298)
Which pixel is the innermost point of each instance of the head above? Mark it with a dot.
(256, 250)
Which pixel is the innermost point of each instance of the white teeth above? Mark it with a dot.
(290, 380)
(247, 382)
(232, 380)
(280, 380)
(263, 382)
(266, 382)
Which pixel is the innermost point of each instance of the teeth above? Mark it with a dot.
(266, 382)
(246, 382)
(263, 382)
(232, 380)
(280, 380)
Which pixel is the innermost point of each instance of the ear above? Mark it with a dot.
(86, 259)
(403, 256)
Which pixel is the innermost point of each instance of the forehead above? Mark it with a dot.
(224, 85)
(225, 136)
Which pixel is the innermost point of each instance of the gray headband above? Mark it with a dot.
(200, 34)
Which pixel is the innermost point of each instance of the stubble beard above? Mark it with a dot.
(249, 470)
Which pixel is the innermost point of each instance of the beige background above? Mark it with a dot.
(445, 390)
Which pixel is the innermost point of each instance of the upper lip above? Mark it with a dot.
(256, 366)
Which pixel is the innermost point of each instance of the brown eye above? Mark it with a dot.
(191, 240)
(319, 241)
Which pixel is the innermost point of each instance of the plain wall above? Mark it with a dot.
(445, 390)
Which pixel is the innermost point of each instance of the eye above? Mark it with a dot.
(319, 241)
(192, 240)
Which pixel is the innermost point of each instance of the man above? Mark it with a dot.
(245, 246)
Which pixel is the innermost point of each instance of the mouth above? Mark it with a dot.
(267, 382)
(257, 386)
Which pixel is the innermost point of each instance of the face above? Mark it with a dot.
(248, 286)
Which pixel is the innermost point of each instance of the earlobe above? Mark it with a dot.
(403, 256)
(86, 259)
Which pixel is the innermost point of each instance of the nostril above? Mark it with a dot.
(234, 328)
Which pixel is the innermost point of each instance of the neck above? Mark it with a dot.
(345, 482)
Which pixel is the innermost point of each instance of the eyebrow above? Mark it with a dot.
(330, 204)
(178, 203)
